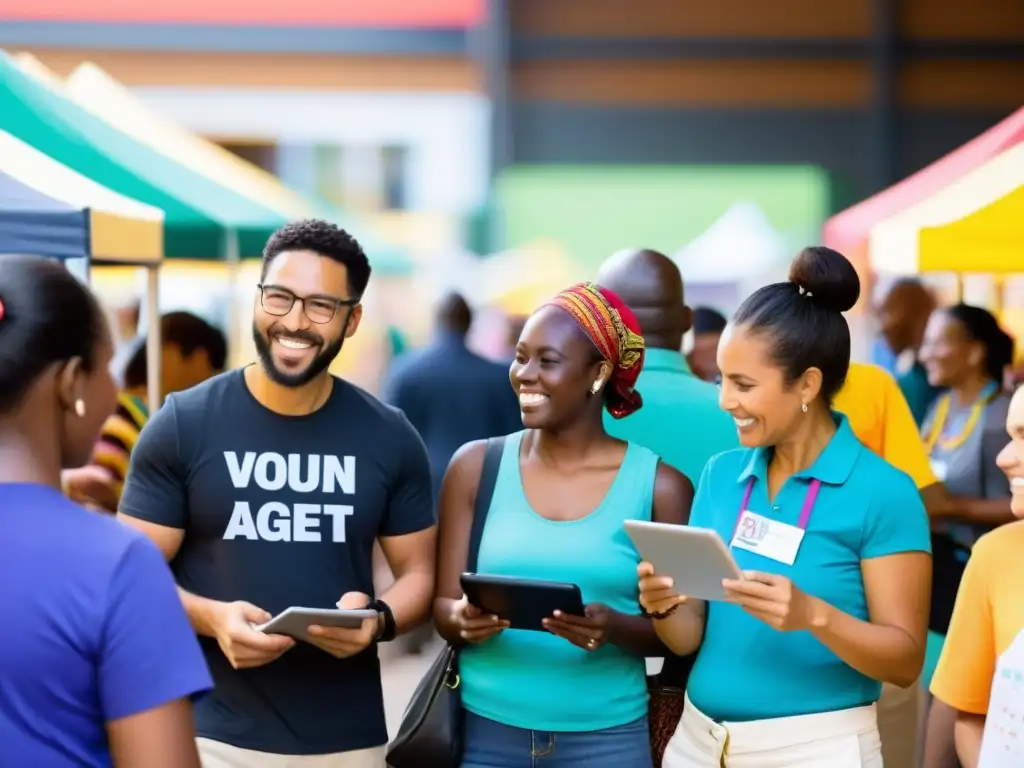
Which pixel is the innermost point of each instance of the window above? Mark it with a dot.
(260, 153)
(394, 169)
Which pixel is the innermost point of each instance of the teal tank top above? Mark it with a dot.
(535, 680)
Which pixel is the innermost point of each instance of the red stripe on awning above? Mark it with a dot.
(341, 13)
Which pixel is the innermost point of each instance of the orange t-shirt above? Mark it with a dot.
(881, 419)
(988, 616)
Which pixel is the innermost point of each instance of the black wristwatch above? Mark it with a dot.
(386, 629)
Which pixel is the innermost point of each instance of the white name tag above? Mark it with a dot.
(768, 538)
(939, 469)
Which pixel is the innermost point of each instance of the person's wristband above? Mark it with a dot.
(386, 628)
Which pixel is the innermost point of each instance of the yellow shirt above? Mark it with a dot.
(881, 419)
(987, 618)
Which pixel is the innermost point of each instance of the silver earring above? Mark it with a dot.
(803, 407)
(80, 407)
(596, 388)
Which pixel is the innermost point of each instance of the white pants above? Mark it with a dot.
(844, 739)
(217, 754)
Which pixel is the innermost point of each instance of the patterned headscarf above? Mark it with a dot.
(614, 329)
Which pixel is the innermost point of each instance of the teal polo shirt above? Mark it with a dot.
(866, 508)
(680, 419)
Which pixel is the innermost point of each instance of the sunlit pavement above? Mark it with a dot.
(400, 672)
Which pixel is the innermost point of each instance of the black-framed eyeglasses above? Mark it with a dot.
(279, 301)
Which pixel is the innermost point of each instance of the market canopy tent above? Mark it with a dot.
(50, 210)
(105, 97)
(737, 254)
(975, 224)
(991, 238)
(47, 209)
(201, 217)
(849, 230)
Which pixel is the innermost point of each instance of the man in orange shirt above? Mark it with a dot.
(989, 614)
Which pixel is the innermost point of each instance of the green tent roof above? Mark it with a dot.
(198, 211)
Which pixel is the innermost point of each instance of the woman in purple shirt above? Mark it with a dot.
(98, 661)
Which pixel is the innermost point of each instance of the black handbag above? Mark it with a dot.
(430, 735)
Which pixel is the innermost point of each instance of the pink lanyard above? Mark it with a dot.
(805, 511)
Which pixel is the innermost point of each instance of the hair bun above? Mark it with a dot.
(826, 277)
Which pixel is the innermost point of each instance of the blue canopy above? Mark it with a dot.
(32, 223)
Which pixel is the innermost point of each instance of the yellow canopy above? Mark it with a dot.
(105, 97)
(991, 239)
(121, 230)
(973, 225)
(519, 280)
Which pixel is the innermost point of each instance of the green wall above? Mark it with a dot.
(593, 211)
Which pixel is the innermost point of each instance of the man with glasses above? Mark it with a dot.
(266, 488)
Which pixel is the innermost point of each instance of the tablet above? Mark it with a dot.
(696, 558)
(294, 621)
(524, 603)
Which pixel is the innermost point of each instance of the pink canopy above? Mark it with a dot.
(848, 230)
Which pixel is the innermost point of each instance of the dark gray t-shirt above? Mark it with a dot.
(282, 511)
(969, 469)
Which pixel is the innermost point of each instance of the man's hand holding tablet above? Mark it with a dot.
(243, 645)
(342, 642)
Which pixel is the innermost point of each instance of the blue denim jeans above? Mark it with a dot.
(492, 745)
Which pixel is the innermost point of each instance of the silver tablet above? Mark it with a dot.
(696, 558)
(295, 621)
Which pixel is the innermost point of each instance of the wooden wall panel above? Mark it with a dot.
(724, 84)
(961, 84)
(230, 70)
(997, 20)
(695, 18)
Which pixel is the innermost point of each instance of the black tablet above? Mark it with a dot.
(524, 603)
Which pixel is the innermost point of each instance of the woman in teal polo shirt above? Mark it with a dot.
(834, 542)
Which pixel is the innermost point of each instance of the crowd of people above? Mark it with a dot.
(861, 506)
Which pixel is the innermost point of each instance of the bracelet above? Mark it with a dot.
(662, 615)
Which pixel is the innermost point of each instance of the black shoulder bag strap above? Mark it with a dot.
(484, 494)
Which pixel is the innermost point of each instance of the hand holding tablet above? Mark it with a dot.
(696, 559)
(522, 603)
(295, 622)
(531, 604)
(474, 624)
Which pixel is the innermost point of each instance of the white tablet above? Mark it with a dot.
(295, 621)
(696, 558)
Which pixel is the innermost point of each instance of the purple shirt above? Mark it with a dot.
(93, 630)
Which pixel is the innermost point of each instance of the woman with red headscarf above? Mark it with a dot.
(574, 693)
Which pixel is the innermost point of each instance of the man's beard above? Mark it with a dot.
(320, 363)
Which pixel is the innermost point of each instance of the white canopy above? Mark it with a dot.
(739, 246)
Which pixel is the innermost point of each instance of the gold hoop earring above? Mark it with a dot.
(80, 407)
(803, 407)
